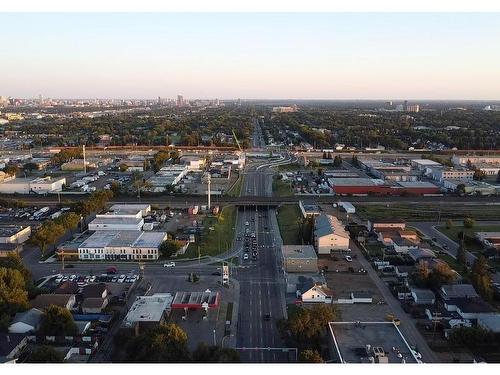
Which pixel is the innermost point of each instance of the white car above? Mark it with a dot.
(122, 278)
(245, 256)
(348, 258)
(92, 279)
(171, 264)
(247, 223)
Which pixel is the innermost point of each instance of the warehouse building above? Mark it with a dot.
(329, 234)
(121, 245)
(105, 222)
(41, 185)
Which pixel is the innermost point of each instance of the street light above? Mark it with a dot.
(215, 339)
(225, 337)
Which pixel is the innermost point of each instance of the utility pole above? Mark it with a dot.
(84, 162)
(208, 182)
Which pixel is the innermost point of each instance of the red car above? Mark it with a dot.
(112, 270)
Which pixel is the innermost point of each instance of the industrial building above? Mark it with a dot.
(14, 234)
(41, 185)
(105, 222)
(121, 245)
(167, 176)
(346, 186)
(329, 234)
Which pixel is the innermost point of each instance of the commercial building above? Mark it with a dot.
(193, 162)
(148, 311)
(114, 223)
(166, 177)
(299, 258)
(386, 224)
(489, 239)
(133, 210)
(288, 109)
(329, 234)
(309, 209)
(424, 165)
(446, 173)
(465, 159)
(42, 185)
(471, 187)
(369, 342)
(14, 234)
(121, 245)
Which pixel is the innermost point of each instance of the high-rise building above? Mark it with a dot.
(405, 105)
(413, 108)
(180, 100)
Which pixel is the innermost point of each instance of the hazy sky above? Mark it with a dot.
(311, 56)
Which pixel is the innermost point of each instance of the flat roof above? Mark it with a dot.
(10, 230)
(195, 299)
(299, 251)
(111, 219)
(425, 162)
(416, 184)
(350, 340)
(130, 238)
(355, 181)
(130, 207)
(148, 308)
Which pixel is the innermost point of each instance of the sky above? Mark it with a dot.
(251, 55)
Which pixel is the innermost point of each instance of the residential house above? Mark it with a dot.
(11, 345)
(26, 322)
(67, 287)
(423, 296)
(386, 224)
(95, 291)
(420, 254)
(94, 305)
(43, 301)
(312, 292)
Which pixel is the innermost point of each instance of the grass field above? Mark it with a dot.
(429, 212)
(289, 228)
(281, 188)
(453, 232)
(219, 240)
(236, 188)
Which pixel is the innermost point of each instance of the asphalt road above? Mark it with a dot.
(262, 286)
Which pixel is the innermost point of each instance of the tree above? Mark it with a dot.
(461, 189)
(307, 326)
(479, 175)
(310, 356)
(45, 354)
(115, 187)
(69, 221)
(337, 161)
(30, 167)
(47, 234)
(169, 247)
(123, 167)
(57, 321)
(11, 169)
(165, 343)
(481, 277)
(205, 353)
(13, 294)
(449, 224)
(469, 222)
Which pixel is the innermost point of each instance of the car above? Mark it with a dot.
(267, 317)
(216, 273)
(72, 278)
(348, 258)
(92, 279)
(122, 278)
(170, 264)
(133, 279)
(247, 223)
(111, 270)
(59, 279)
(65, 278)
(245, 256)
(70, 266)
(254, 257)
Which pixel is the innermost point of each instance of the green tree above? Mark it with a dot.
(69, 221)
(337, 161)
(14, 261)
(469, 222)
(307, 326)
(13, 294)
(115, 187)
(310, 356)
(163, 344)
(45, 354)
(169, 247)
(481, 278)
(57, 321)
(48, 234)
(461, 189)
(205, 353)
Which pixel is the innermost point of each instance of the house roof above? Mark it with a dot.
(67, 287)
(389, 220)
(93, 303)
(420, 253)
(361, 294)
(423, 293)
(8, 342)
(299, 252)
(93, 290)
(45, 300)
(31, 317)
(471, 305)
(458, 291)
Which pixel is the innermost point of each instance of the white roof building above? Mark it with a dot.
(148, 309)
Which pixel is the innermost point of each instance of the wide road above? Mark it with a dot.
(261, 287)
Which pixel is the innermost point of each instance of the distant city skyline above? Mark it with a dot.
(332, 56)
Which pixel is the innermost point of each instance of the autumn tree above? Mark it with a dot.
(205, 353)
(13, 293)
(481, 278)
(57, 321)
(310, 356)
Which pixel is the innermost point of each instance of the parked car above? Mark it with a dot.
(348, 258)
(112, 270)
(170, 264)
(245, 256)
